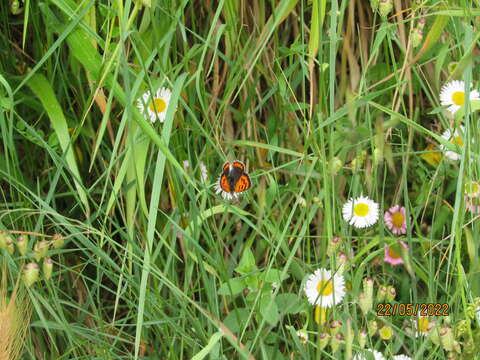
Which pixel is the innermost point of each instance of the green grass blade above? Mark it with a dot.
(43, 90)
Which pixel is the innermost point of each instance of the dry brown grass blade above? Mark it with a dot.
(15, 313)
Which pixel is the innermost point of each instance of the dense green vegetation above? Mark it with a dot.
(322, 100)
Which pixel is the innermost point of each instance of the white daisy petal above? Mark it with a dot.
(369, 354)
(324, 288)
(452, 95)
(456, 139)
(422, 326)
(155, 107)
(360, 212)
(402, 357)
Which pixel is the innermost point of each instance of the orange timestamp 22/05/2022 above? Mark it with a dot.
(421, 309)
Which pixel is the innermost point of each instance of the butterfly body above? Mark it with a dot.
(233, 181)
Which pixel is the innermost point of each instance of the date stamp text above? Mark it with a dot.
(422, 309)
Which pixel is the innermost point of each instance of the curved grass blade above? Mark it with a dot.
(43, 90)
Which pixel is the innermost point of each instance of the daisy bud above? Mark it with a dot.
(15, 7)
(368, 288)
(335, 165)
(58, 241)
(10, 247)
(473, 309)
(457, 347)
(362, 338)
(446, 338)
(335, 327)
(385, 332)
(341, 262)
(417, 37)
(469, 346)
(302, 336)
(302, 202)
(22, 243)
(186, 165)
(364, 304)
(336, 341)
(47, 268)
(461, 328)
(333, 245)
(451, 356)
(384, 7)
(391, 293)
(41, 248)
(30, 273)
(3, 239)
(421, 23)
(372, 328)
(381, 293)
(324, 339)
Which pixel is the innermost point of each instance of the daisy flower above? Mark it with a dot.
(154, 106)
(452, 95)
(456, 139)
(395, 219)
(372, 354)
(402, 357)
(324, 288)
(360, 212)
(422, 326)
(392, 256)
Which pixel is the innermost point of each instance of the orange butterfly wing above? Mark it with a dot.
(226, 167)
(243, 183)
(238, 165)
(224, 183)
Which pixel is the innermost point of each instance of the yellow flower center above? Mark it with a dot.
(157, 105)
(361, 209)
(458, 98)
(423, 324)
(325, 287)
(385, 333)
(457, 140)
(393, 254)
(398, 219)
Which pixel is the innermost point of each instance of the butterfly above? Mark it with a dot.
(233, 181)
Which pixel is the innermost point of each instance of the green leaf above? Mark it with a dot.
(434, 34)
(289, 303)
(232, 287)
(212, 343)
(247, 263)
(43, 90)
(269, 310)
(273, 275)
(237, 319)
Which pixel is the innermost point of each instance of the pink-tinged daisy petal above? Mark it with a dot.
(396, 220)
(392, 254)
